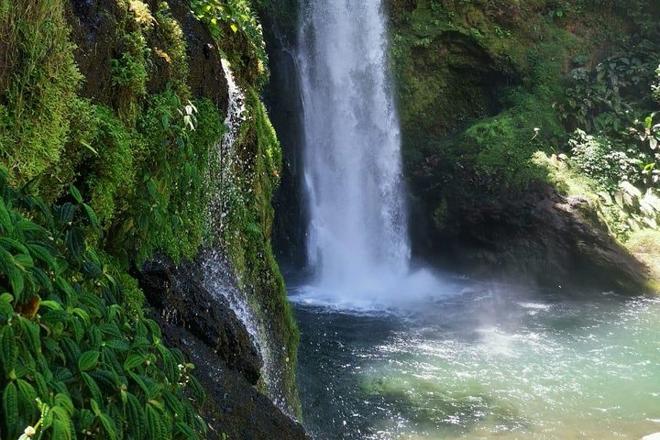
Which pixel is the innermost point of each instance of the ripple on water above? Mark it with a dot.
(480, 366)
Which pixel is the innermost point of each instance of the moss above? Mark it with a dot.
(132, 296)
(572, 183)
(38, 85)
(111, 173)
(170, 50)
(130, 75)
(645, 245)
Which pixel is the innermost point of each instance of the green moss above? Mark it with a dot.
(130, 74)
(171, 51)
(504, 144)
(133, 297)
(38, 85)
(645, 245)
(111, 177)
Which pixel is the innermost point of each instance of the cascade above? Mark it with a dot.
(218, 277)
(358, 236)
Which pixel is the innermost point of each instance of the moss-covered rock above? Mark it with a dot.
(481, 88)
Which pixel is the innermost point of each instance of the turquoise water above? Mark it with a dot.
(487, 362)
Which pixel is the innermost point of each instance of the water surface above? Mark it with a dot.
(488, 362)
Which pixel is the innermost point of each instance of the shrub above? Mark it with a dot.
(606, 163)
(75, 358)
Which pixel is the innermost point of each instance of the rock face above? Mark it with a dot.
(94, 26)
(203, 326)
(182, 301)
(542, 238)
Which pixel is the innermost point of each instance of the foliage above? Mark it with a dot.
(624, 209)
(74, 360)
(172, 50)
(228, 18)
(141, 149)
(38, 85)
(129, 74)
(621, 161)
(173, 180)
(604, 97)
(605, 162)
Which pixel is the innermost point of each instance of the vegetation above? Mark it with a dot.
(76, 359)
(527, 81)
(38, 83)
(251, 178)
(141, 149)
(233, 24)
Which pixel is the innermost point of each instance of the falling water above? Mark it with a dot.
(357, 226)
(218, 275)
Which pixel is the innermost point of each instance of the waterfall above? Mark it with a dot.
(219, 277)
(358, 233)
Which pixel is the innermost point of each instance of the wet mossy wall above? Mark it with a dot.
(126, 100)
(482, 86)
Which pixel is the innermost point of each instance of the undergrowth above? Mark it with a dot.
(76, 359)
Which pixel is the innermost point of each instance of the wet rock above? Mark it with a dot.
(234, 407)
(543, 238)
(205, 78)
(204, 327)
(93, 30)
(178, 295)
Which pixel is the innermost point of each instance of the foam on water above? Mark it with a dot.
(480, 366)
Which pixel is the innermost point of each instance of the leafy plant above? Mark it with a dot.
(227, 17)
(74, 360)
(605, 162)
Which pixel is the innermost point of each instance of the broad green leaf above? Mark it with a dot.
(91, 215)
(75, 194)
(92, 386)
(154, 423)
(10, 409)
(135, 416)
(134, 360)
(88, 360)
(108, 426)
(51, 305)
(5, 218)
